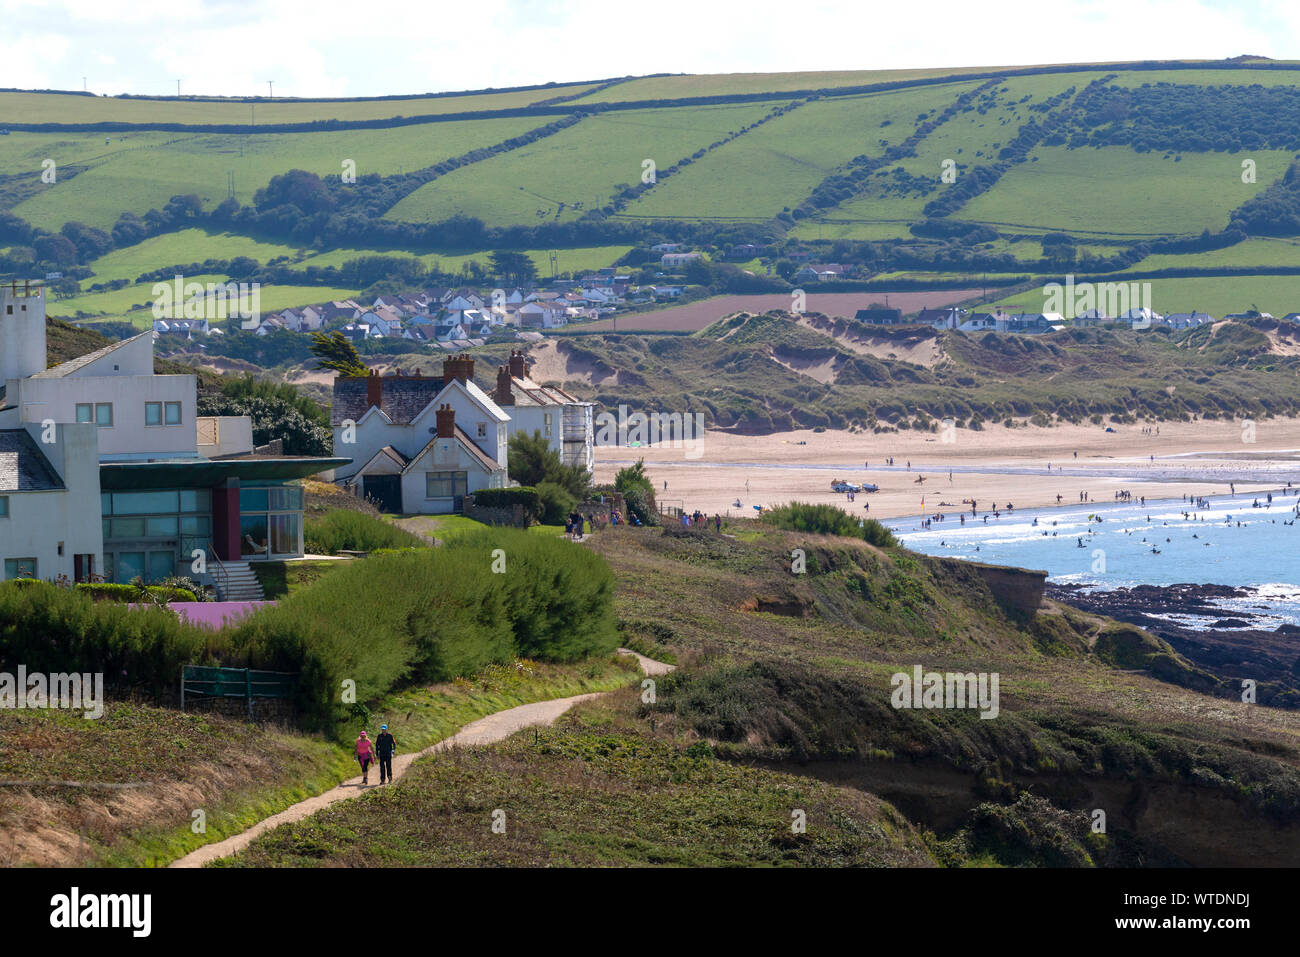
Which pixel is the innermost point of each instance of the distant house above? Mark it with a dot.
(985, 322)
(1034, 323)
(665, 247)
(181, 327)
(678, 260)
(880, 316)
(542, 315)
(1186, 320)
(949, 317)
(666, 292)
(1091, 317)
(1141, 317)
(823, 272)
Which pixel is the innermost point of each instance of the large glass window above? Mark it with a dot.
(252, 500)
(129, 565)
(153, 413)
(85, 412)
(104, 414)
(252, 535)
(161, 565)
(160, 525)
(173, 413)
(284, 534)
(445, 484)
(196, 500)
(20, 568)
(145, 503)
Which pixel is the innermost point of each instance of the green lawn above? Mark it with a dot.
(580, 166)
(1118, 192)
(139, 171)
(1253, 252)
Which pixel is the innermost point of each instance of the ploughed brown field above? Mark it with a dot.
(694, 316)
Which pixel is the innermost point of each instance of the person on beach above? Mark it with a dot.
(365, 754)
(385, 745)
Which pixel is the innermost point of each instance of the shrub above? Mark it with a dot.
(55, 629)
(828, 520)
(355, 531)
(104, 591)
(556, 503)
(529, 498)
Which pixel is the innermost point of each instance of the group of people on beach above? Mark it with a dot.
(698, 519)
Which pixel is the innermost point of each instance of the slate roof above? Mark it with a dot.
(403, 397)
(23, 467)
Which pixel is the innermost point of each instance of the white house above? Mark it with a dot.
(419, 443)
(565, 420)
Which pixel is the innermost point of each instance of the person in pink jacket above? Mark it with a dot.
(365, 754)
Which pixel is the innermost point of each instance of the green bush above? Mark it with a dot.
(104, 591)
(434, 614)
(828, 520)
(556, 503)
(529, 498)
(55, 629)
(341, 530)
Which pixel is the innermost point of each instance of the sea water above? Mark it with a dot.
(1107, 545)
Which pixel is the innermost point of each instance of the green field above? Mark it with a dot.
(1218, 296)
(71, 108)
(1252, 252)
(581, 259)
(181, 248)
(779, 164)
(135, 303)
(579, 167)
(139, 171)
(1121, 193)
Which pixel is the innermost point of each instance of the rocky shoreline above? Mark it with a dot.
(1231, 646)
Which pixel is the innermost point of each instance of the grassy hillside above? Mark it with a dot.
(782, 703)
(1131, 162)
(761, 374)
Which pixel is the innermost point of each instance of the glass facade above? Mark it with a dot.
(270, 521)
(151, 534)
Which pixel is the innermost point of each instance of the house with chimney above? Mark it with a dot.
(567, 422)
(419, 444)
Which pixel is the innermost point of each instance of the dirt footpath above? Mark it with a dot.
(486, 730)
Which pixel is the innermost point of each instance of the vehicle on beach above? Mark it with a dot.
(839, 485)
(868, 487)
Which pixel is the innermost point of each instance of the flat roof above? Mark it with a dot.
(207, 473)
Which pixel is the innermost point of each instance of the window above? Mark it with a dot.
(104, 414)
(85, 412)
(4, 506)
(173, 413)
(153, 413)
(546, 417)
(482, 430)
(20, 568)
(445, 484)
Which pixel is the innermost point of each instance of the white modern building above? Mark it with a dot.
(109, 472)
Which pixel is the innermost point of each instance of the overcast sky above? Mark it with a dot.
(349, 48)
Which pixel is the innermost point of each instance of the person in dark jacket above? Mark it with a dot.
(385, 745)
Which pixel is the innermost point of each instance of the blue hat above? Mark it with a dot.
(383, 727)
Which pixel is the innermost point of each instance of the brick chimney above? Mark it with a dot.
(518, 364)
(446, 421)
(503, 395)
(460, 368)
(374, 390)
